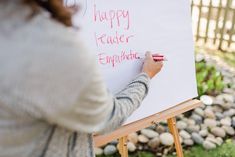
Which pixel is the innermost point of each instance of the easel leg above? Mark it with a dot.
(173, 129)
(122, 146)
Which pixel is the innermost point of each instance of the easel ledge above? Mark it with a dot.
(101, 140)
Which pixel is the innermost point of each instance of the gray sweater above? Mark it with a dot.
(52, 94)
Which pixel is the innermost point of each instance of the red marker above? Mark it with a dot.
(157, 58)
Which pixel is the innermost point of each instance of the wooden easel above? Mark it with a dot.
(168, 115)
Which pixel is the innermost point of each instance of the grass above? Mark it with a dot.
(225, 150)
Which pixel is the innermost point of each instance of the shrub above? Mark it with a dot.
(209, 80)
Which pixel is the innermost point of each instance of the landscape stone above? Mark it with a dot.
(209, 145)
(219, 141)
(142, 139)
(198, 119)
(207, 100)
(219, 132)
(226, 105)
(210, 122)
(154, 143)
(226, 121)
(199, 111)
(209, 113)
(203, 132)
(181, 125)
(184, 134)
(188, 142)
(233, 122)
(193, 128)
(133, 137)
(160, 129)
(110, 150)
(225, 98)
(166, 139)
(149, 133)
(219, 115)
(131, 147)
(229, 130)
(98, 151)
(197, 138)
(211, 139)
(229, 113)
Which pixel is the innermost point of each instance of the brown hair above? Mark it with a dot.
(55, 7)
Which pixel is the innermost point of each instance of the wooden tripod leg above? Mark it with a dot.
(173, 129)
(122, 146)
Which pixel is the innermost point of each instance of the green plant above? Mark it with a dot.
(209, 80)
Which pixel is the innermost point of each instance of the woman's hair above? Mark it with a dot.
(56, 8)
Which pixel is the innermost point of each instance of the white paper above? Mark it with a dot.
(161, 26)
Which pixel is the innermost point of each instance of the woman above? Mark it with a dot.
(52, 95)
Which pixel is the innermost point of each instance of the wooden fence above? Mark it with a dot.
(214, 23)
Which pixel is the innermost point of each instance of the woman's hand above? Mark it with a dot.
(151, 67)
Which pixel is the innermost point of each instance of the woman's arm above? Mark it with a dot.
(99, 111)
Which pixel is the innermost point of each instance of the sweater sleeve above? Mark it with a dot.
(97, 110)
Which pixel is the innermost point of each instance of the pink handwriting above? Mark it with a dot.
(105, 59)
(112, 17)
(117, 39)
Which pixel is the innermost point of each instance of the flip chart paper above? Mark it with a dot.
(118, 32)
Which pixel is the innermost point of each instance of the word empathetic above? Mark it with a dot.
(106, 59)
(113, 16)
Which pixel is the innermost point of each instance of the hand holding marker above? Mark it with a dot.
(152, 64)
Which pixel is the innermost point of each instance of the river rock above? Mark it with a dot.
(197, 138)
(211, 139)
(210, 122)
(217, 108)
(160, 129)
(226, 98)
(219, 115)
(199, 111)
(203, 132)
(219, 132)
(209, 145)
(131, 147)
(98, 151)
(184, 134)
(219, 141)
(154, 143)
(191, 122)
(198, 119)
(188, 142)
(133, 137)
(229, 113)
(229, 130)
(209, 113)
(166, 139)
(226, 105)
(143, 139)
(149, 133)
(207, 100)
(226, 121)
(193, 128)
(233, 122)
(110, 150)
(181, 125)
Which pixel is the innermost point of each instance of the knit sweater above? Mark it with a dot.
(52, 94)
